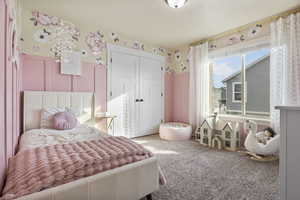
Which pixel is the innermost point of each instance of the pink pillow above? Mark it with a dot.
(64, 121)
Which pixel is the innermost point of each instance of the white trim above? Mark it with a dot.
(249, 66)
(243, 86)
(250, 112)
(233, 92)
(240, 48)
(240, 118)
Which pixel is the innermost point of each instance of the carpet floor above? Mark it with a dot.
(195, 172)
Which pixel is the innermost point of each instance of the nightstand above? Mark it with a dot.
(105, 122)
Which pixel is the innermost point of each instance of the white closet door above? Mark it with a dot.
(123, 93)
(150, 109)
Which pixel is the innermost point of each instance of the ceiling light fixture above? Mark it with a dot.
(176, 3)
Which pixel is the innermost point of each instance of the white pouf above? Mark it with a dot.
(175, 131)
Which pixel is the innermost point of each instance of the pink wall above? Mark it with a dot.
(180, 111)
(9, 90)
(169, 92)
(43, 74)
(177, 97)
(2, 93)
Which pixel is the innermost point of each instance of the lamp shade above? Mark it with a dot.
(176, 3)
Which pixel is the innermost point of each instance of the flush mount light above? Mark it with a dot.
(176, 3)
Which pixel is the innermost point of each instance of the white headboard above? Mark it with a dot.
(35, 101)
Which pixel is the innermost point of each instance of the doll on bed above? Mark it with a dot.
(264, 136)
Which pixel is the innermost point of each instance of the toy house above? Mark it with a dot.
(219, 134)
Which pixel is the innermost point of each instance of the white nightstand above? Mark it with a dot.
(108, 126)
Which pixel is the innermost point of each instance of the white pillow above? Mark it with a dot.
(47, 115)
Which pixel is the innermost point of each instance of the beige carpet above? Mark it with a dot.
(197, 173)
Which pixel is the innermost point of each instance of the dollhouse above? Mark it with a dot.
(218, 134)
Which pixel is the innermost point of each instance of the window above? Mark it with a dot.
(237, 92)
(227, 143)
(205, 140)
(216, 143)
(227, 134)
(205, 131)
(240, 84)
(225, 72)
(198, 136)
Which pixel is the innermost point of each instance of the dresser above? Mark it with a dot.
(289, 152)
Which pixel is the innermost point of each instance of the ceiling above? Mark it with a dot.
(153, 22)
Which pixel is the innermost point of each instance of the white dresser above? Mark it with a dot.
(289, 152)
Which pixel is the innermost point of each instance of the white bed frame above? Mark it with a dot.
(130, 182)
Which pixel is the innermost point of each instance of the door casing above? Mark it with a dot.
(114, 48)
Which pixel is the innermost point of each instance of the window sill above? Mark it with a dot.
(239, 118)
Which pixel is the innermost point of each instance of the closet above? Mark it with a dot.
(135, 91)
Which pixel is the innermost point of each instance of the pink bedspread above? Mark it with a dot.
(40, 168)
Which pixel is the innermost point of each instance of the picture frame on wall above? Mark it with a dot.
(71, 63)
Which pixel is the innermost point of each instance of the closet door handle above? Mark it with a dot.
(141, 100)
(137, 100)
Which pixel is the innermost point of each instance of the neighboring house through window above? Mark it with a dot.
(240, 84)
(237, 92)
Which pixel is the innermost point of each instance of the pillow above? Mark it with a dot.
(47, 117)
(82, 116)
(64, 121)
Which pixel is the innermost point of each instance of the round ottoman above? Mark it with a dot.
(175, 131)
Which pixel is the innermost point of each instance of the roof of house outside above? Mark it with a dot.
(250, 65)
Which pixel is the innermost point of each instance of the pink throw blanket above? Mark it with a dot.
(40, 168)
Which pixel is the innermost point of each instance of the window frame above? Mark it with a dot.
(227, 135)
(244, 114)
(234, 92)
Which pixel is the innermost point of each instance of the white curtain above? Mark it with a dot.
(285, 65)
(199, 84)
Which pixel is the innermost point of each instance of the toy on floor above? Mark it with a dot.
(218, 134)
(175, 131)
(261, 146)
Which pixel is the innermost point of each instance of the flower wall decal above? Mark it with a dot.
(95, 42)
(42, 35)
(247, 34)
(43, 19)
(136, 45)
(177, 55)
(51, 36)
(84, 53)
(99, 61)
(115, 37)
(63, 34)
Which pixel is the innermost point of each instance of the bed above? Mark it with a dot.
(129, 182)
